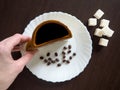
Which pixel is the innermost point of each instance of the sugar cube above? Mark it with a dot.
(104, 23)
(98, 14)
(107, 31)
(103, 42)
(92, 22)
(98, 32)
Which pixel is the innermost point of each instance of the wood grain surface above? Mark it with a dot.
(103, 71)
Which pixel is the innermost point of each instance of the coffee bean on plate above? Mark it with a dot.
(48, 54)
(58, 64)
(56, 54)
(64, 60)
(69, 46)
(64, 48)
(70, 57)
(45, 61)
(74, 54)
(41, 57)
(64, 56)
(52, 61)
(48, 63)
(49, 59)
(57, 60)
(69, 52)
(67, 62)
(63, 53)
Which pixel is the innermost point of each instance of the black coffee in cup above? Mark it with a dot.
(48, 32)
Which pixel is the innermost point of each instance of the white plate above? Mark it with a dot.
(81, 44)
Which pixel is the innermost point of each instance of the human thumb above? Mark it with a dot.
(26, 58)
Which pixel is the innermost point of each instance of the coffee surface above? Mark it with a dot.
(50, 31)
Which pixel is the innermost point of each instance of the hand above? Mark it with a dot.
(9, 68)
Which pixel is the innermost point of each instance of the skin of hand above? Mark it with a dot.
(10, 68)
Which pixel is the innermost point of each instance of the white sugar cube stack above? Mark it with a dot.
(104, 23)
(106, 31)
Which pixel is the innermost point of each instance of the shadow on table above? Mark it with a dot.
(95, 39)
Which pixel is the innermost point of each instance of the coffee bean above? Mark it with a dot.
(48, 54)
(41, 57)
(69, 52)
(56, 54)
(70, 57)
(58, 64)
(45, 61)
(64, 61)
(48, 63)
(69, 46)
(64, 48)
(57, 60)
(49, 59)
(67, 62)
(64, 56)
(52, 61)
(74, 54)
(63, 53)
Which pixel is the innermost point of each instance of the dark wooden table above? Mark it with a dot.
(103, 71)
